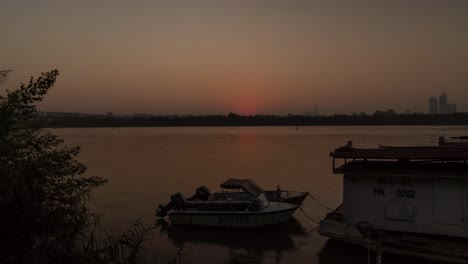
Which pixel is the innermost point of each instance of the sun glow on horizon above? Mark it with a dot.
(246, 106)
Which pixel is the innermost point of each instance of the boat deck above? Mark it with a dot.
(432, 247)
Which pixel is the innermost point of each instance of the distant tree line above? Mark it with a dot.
(378, 118)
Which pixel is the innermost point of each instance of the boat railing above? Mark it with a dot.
(252, 205)
(233, 206)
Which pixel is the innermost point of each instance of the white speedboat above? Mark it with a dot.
(246, 206)
(278, 195)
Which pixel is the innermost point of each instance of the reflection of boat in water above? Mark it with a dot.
(454, 142)
(244, 246)
(349, 253)
(280, 237)
(246, 206)
(328, 253)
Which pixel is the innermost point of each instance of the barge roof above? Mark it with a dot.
(442, 160)
(412, 169)
(404, 153)
(443, 153)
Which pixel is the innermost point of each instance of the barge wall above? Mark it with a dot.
(427, 205)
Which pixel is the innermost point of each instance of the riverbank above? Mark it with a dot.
(377, 119)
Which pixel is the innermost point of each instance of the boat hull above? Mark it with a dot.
(231, 219)
(291, 197)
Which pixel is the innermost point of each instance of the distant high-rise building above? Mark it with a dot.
(443, 104)
(451, 108)
(433, 107)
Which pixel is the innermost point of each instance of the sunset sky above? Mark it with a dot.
(216, 57)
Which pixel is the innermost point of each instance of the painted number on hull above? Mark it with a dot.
(406, 193)
(242, 219)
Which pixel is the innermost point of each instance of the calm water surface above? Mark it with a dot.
(145, 166)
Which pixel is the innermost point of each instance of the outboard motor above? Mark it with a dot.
(201, 194)
(178, 201)
(163, 209)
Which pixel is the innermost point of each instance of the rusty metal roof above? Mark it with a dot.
(442, 160)
(408, 169)
(444, 153)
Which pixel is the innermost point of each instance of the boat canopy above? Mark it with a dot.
(246, 184)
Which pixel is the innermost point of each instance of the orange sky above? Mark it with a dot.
(216, 57)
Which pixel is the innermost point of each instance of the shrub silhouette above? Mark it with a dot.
(42, 190)
(43, 193)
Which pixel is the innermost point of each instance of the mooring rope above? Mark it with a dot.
(308, 217)
(320, 203)
(368, 250)
(379, 251)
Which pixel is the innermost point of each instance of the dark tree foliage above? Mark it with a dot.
(42, 188)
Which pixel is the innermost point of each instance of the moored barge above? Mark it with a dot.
(404, 200)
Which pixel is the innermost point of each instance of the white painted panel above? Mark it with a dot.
(407, 204)
(448, 201)
(403, 211)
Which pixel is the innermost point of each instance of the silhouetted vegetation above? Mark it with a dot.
(43, 193)
(144, 120)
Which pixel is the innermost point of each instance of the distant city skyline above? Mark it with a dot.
(441, 106)
(443, 100)
(248, 57)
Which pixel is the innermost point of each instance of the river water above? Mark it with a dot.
(145, 166)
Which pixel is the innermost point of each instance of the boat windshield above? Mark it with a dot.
(247, 185)
(263, 201)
